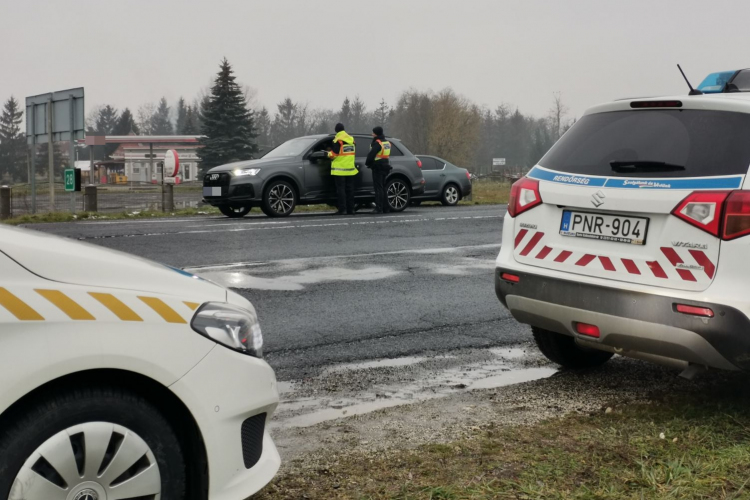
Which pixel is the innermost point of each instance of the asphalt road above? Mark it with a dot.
(334, 289)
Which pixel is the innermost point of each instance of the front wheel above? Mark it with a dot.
(563, 350)
(398, 195)
(279, 199)
(88, 444)
(235, 212)
(450, 195)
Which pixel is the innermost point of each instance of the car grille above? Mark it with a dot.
(252, 439)
(219, 179)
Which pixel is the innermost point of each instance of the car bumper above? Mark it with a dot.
(245, 192)
(632, 323)
(224, 391)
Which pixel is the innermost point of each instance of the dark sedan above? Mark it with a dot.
(444, 182)
(299, 171)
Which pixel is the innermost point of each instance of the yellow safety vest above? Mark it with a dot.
(385, 150)
(343, 162)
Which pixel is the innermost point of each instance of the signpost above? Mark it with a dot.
(55, 116)
(498, 162)
(72, 179)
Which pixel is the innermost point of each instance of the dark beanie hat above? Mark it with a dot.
(378, 130)
(339, 127)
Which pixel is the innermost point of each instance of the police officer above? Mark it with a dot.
(343, 169)
(379, 161)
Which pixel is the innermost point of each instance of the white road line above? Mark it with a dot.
(347, 256)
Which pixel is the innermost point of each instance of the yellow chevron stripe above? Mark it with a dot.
(66, 305)
(163, 310)
(18, 307)
(116, 306)
(192, 305)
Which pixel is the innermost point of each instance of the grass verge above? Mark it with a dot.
(671, 449)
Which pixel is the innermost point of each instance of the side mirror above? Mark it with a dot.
(318, 155)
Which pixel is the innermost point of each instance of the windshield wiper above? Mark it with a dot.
(644, 166)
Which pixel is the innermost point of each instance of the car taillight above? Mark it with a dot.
(468, 175)
(724, 214)
(736, 215)
(694, 311)
(419, 163)
(524, 195)
(702, 209)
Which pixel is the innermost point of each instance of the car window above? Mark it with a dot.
(428, 163)
(363, 145)
(294, 147)
(439, 164)
(395, 151)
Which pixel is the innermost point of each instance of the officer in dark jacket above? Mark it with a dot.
(378, 159)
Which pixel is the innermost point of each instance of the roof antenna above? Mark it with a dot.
(692, 90)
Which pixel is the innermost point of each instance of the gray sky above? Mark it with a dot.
(519, 52)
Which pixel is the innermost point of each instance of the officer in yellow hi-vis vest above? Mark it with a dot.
(379, 160)
(343, 169)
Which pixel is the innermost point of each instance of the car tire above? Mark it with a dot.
(563, 350)
(235, 212)
(279, 199)
(90, 421)
(450, 196)
(399, 194)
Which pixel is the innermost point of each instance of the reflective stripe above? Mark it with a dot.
(66, 305)
(116, 306)
(343, 169)
(163, 310)
(18, 307)
(192, 305)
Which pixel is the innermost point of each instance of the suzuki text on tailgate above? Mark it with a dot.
(632, 236)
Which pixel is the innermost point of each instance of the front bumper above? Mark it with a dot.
(223, 392)
(240, 191)
(629, 321)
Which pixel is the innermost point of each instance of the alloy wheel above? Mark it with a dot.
(91, 461)
(281, 198)
(398, 195)
(451, 195)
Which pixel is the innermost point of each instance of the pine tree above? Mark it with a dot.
(285, 123)
(161, 124)
(126, 124)
(345, 115)
(106, 120)
(182, 110)
(192, 125)
(12, 141)
(263, 123)
(381, 114)
(228, 125)
(42, 160)
(358, 122)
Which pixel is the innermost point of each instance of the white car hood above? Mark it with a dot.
(69, 261)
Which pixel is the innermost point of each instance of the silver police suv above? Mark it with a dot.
(298, 171)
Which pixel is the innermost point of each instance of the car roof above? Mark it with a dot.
(353, 134)
(736, 101)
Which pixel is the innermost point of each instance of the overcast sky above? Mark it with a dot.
(129, 52)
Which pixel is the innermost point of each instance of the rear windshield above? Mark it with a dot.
(706, 143)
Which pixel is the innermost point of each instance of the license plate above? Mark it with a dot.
(212, 191)
(631, 230)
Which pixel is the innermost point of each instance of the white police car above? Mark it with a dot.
(632, 236)
(126, 379)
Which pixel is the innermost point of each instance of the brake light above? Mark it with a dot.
(589, 330)
(524, 195)
(736, 215)
(703, 209)
(694, 311)
(419, 163)
(468, 175)
(655, 104)
(512, 278)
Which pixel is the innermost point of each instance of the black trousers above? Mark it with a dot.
(345, 192)
(381, 196)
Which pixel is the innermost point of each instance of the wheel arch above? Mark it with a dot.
(172, 407)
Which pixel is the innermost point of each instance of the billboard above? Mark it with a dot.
(68, 120)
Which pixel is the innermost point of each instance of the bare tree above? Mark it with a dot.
(145, 118)
(557, 114)
(454, 132)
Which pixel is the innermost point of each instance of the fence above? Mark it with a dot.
(110, 198)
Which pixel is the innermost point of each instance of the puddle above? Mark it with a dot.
(240, 279)
(423, 379)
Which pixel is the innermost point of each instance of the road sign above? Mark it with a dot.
(171, 163)
(72, 179)
(67, 118)
(498, 162)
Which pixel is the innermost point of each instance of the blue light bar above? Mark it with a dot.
(715, 82)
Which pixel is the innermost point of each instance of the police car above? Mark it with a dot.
(126, 379)
(632, 235)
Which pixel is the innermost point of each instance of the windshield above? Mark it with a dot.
(294, 147)
(705, 143)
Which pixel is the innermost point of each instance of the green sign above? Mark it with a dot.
(70, 179)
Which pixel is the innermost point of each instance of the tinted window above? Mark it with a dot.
(706, 143)
(440, 164)
(294, 147)
(428, 163)
(395, 151)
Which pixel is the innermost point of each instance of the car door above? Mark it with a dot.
(319, 183)
(363, 183)
(431, 174)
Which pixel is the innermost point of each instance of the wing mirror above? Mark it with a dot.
(318, 155)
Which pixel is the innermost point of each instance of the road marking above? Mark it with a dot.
(116, 306)
(163, 310)
(66, 305)
(348, 256)
(18, 307)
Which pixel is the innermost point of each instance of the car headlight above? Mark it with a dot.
(246, 171)
(231, 326)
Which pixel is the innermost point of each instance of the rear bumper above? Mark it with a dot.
(630, 322)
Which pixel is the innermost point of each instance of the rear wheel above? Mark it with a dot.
(93, 443)
(235, 212)
(563, 350)
(398, 194)
(450, 195)
(279, 199)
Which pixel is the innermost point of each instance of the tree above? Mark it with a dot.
(359, 119)
(12, 141)
(345, 115)
(228, 125)
(454, 128)
(42, 160)
(146, 118)
(160, 122)
(106, 120)
(411, 120)
(263, 127)
(182, 110)
(290, 121)
(557, 114)
(381, 114)
(126, 124)
(192, 126)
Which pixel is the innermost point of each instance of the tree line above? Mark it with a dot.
(235, 127)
